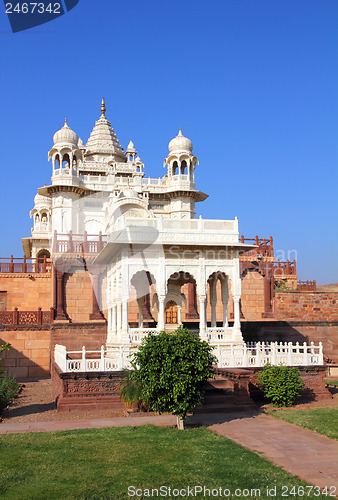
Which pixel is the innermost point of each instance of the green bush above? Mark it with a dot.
(8, 389)
(172, 369)
(281, 384)
(8, 384)
(131, 389)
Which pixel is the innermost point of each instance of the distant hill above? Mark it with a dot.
(332, 287)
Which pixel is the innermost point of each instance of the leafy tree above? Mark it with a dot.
(173, 369)
(281, 384)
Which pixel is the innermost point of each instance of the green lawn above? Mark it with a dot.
(103, 463)
(321, 420)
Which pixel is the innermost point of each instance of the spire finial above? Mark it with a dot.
(103, 107)
(66, 121)
(180, 131)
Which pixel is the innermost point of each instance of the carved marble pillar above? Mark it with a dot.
(118, 317)
(161, 312)
(179, 315)
(237, 313)
(203, 323)
(113, 320)
(125, 316)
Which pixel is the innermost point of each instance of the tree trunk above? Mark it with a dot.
(180, 423)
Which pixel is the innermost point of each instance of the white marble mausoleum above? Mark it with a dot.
(143, 231)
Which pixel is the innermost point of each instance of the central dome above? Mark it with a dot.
(180, 143)
(65, 136)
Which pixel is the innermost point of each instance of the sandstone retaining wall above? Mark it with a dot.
(29, 356)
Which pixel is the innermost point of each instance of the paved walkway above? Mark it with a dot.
(303, 453)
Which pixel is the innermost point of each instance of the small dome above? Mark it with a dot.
(131, 147)
(180, 143)
(66, 135)
(42, 200)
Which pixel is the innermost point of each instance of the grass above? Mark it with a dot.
(321, 420)
(102, 463)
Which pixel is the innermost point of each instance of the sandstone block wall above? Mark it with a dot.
(252, 296)
(75, 336)
(27, 294)
(306, 306)
(78, 295)
(29, 356)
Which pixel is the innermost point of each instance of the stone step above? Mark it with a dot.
(222, 408)
(210, 399)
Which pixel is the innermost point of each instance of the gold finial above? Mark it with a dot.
(103, 107)
(65, 121)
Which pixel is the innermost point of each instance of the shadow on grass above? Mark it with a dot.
(207, 419)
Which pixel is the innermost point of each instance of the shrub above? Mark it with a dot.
(3, 347)
(131, 389)
(8, 389)
(172, 369)
(8, 384)
(281, 384)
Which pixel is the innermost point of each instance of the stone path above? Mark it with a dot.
(303, 453)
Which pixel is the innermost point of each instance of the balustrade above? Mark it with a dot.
(229, 356)
(17, 317)
(265, 246)
(78, 243)
(307, 286)
(286, 268)
(24, 265)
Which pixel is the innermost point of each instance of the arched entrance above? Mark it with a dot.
(171, 313)
(42, 255)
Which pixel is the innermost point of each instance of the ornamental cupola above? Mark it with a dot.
(65, 136)
(103, 144)
(131, 151)
(66, 152)
(41, 214)
(181, 162)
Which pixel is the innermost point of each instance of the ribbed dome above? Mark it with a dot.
(65, 136)
(180, 143)
(42, 200)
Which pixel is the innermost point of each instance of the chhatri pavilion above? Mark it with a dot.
(150, 247)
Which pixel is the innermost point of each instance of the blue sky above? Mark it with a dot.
(253, 84)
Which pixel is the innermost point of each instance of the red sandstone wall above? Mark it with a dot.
(74, 337)
(252, 296)
(29, 354)
(27, 294)
(306, 306)
(79, 295)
